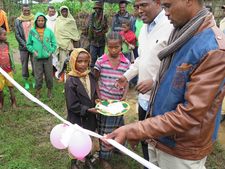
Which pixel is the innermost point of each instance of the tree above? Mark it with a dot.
(1, 4)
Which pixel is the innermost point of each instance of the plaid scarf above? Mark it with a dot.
(177, 39)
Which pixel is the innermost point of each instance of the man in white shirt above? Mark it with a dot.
(152, 39)
(51, 17)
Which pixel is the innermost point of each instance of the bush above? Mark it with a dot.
(78, 10)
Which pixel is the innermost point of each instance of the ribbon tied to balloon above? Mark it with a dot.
(72, 136)
(79, 144)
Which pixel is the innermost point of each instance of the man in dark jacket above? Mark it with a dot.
(23, 24)
(120, 17)
(97, 28)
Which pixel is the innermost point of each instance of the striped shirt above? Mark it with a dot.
(109, 75)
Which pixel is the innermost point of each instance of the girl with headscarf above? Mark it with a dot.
(66, 33)
(80, 93)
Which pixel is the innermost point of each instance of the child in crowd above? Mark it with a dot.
(42, 44)
(129, 40)
(80, 92)
(6, 63)
(108, 68)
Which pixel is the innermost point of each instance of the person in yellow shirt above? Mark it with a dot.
(3, 20)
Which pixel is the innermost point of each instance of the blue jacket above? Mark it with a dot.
(187, 106)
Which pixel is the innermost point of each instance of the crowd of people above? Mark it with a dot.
(161, 49)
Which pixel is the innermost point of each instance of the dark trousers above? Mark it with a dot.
(95, 53)
(24, 58)
(144, 145)
(43, 67)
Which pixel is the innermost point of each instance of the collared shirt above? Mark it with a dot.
(143, 102)
(155, 21)
(109, 75)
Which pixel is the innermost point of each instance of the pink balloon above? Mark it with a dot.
(80, 145)
(56, 135)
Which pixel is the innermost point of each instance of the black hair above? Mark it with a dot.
(123, 2)
(25, 5)
(114, 36)
(51, 7)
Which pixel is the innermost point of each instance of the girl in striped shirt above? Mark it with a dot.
(108, 68)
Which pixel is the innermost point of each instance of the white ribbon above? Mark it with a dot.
(91, 133)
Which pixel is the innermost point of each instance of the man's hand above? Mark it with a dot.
(121, 82)
(144, 86)
(120, 136)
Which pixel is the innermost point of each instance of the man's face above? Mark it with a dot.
(147, 9)
(178, 11)
(26, 11)
(64, 13)
(51, 12)
(123, 8)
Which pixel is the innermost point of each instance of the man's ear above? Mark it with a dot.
(189, 2)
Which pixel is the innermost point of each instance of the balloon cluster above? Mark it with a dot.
(79, 144)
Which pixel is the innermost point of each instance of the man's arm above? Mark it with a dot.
(202, 90)
(18, 36)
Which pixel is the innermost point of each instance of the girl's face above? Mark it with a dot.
(82, 62)
(114, 47)
(41, 22)
(3, 36)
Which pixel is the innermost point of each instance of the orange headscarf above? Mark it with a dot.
(3, 20)
(73, 59)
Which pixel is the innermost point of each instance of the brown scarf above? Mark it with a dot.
(177, 39)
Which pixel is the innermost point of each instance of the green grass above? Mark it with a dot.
(12, 40)
(24, 133)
